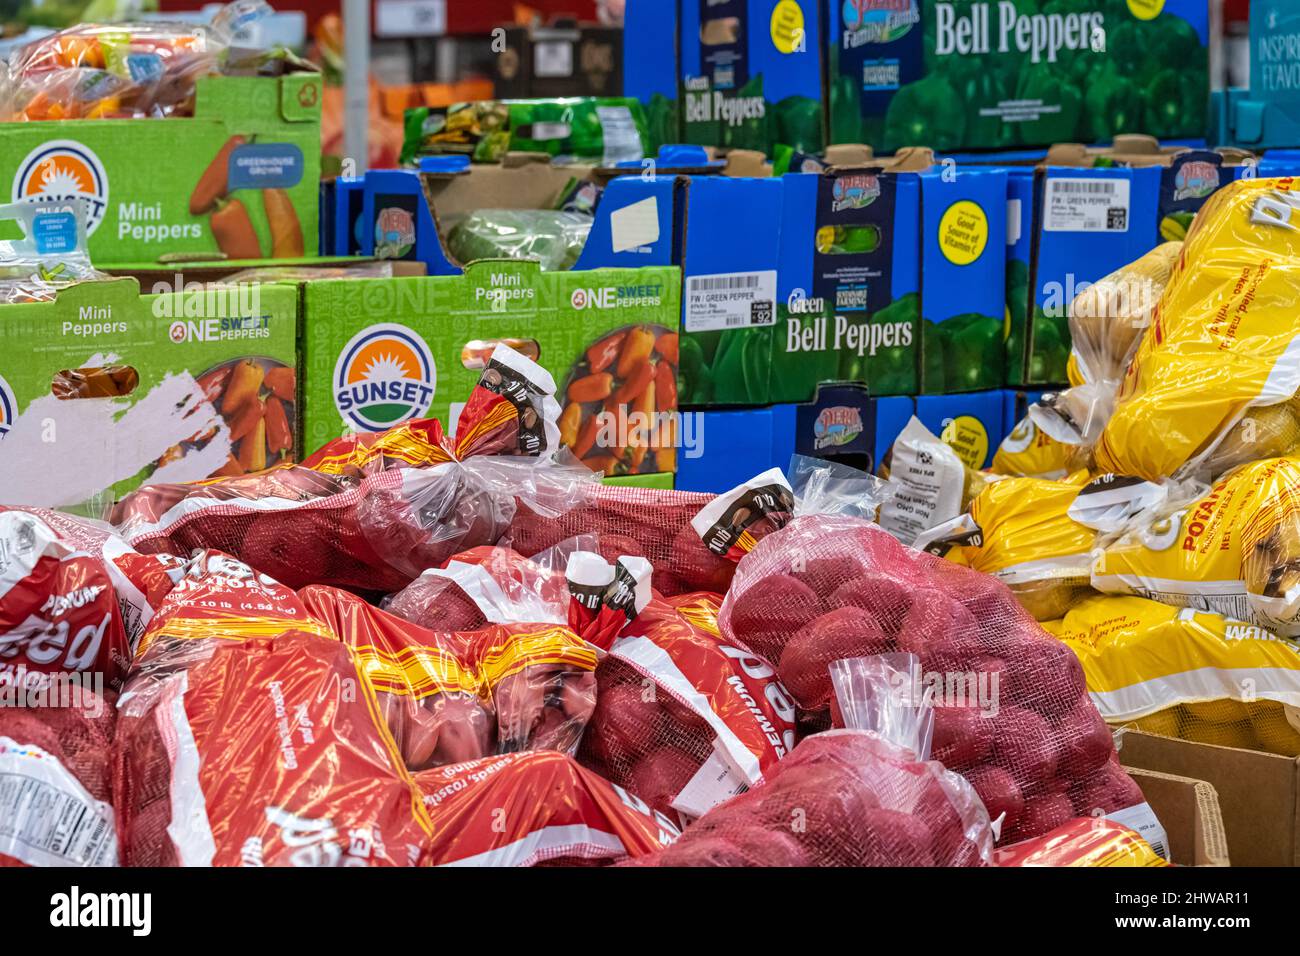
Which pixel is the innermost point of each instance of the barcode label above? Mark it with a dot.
(622, 142)
(1086, 205)
(47, 818)
(733, 300)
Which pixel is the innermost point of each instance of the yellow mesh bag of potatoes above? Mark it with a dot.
(1179, 672)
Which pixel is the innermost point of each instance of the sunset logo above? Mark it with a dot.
(8, 407)
(61, 170)
(383, 377)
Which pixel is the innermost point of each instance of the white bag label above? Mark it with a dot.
(929, 479)
(47, 818)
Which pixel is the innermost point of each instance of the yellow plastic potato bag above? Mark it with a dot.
(1179, 672)
(1235, 550)
(1028, 451)
(1225, 336)
(1107, 319)
(1020, 531)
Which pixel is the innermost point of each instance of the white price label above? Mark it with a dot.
(553, 58)
(1086, 205)
(733, 300)
(410, 18)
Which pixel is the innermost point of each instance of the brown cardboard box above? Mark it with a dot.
(1257, 792)
(1189, 811)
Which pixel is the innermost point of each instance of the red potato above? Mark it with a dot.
(963, 737)
(1041, 815)
(934, 619)
(897, 839)
(1049, 678)
(886, 598)
(1086, 741)
(624, 727)
(1000, 794)
(1107, 790)
(783, 603)
(805, 663)
(661, 775)
(826, 575)
(1025, 744)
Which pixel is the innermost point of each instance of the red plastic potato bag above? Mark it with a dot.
(372, 511)
(74, 598)
(540, 807)
(248, 735)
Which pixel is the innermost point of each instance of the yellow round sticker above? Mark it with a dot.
(963, 232)
(1146, 9)
(966, 436)
(788, 32)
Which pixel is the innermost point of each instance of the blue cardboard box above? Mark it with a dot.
(849, 293)
(650, 66)
(972, 423)
(1002, 74)
(751, 74)
(963, 265)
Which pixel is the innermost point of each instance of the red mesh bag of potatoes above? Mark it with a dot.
(56, 800)
(863, 796)
(74, 598)
(372, 511)
(684, 719)
(535, 808)
(1012, 711)
(637, 522)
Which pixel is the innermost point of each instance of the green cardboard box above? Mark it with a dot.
(103, 389)
(138, 176)
(378, 352)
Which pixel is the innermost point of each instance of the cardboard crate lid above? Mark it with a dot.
(1189, 811)
(1257, 791)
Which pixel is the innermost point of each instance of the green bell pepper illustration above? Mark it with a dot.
(1042, 82)
(797, 122)
(925, 113)
(1112, 104)
(752, 133)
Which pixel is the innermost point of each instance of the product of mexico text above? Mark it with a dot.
(1221, 345)
(1179, 672)
(248, 735)
(74, 599)
(1011, 708)
(538, 808)
(373, 510)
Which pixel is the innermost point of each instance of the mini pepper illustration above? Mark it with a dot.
(234, 231)
(214, 184)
